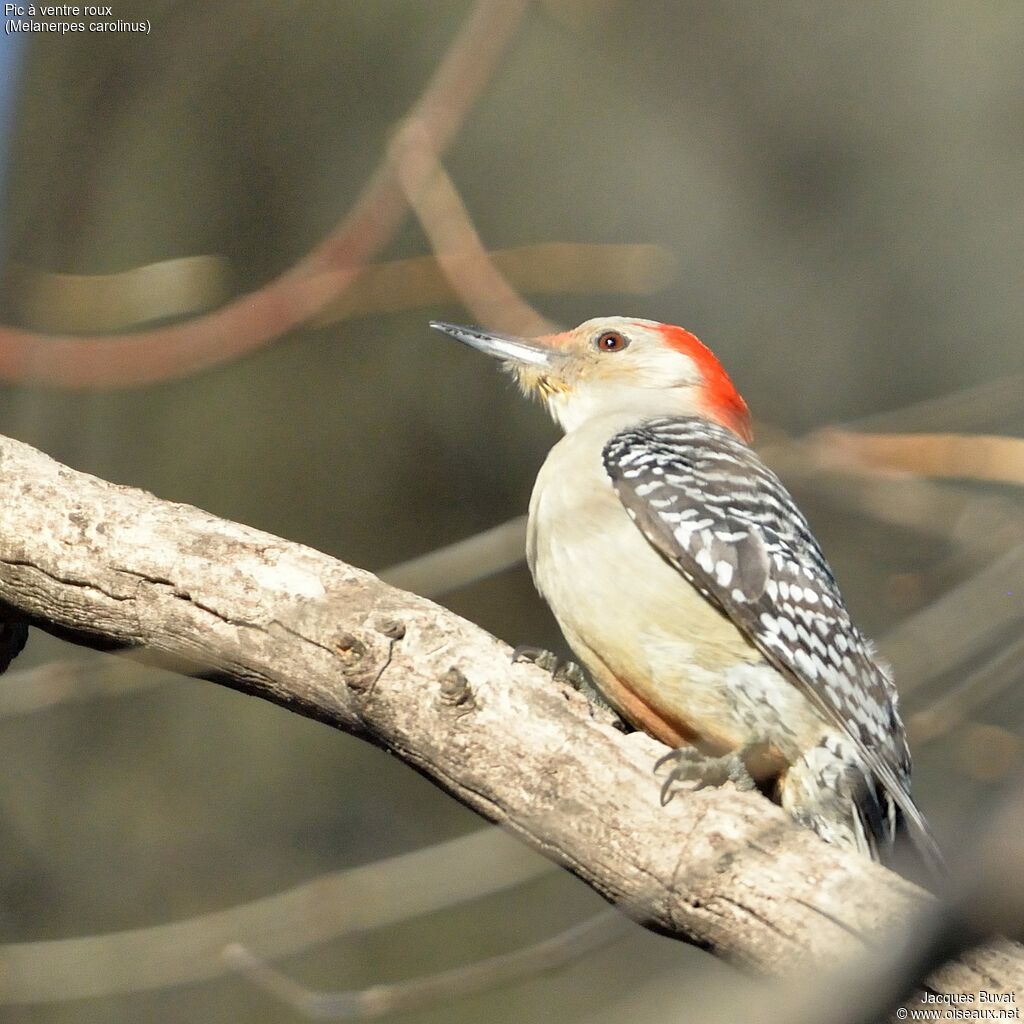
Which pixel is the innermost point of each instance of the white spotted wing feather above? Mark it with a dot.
(715, 512)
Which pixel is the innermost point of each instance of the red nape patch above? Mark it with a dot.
(724, 402)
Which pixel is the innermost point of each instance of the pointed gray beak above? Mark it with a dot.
(500, 346)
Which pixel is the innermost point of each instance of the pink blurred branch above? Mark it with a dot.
(253, 320)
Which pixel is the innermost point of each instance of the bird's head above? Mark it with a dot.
(616, 364)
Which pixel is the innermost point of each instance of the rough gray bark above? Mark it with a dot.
(116, 568)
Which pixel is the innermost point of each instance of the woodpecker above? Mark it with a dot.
(690, 587)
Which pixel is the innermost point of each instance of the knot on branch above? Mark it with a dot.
(393, 629)
(350, 649)
(456, 691)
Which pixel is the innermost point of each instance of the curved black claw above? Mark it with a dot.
(704, 770)
(562, 671)
(538, 656)
(573, 674)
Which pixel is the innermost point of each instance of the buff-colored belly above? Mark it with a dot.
(668, 660)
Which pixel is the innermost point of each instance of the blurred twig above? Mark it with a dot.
(951, 709)
(548, 268)
(28, 690)
(125, 301)
(967, 409)
(119, 302)
(423, 992)
(965, 456)
(961, 623)
(258, 318)
(462, 256)
(341, 903)
(982, 523)
(466, 561)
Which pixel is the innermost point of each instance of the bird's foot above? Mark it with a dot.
(547, 660)
(571, 673)
(561, 671)
(690, 765)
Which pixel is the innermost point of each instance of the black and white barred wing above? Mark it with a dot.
(711, 508)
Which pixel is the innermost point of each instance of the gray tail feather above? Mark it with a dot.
(916, 829)
(846, 803)
(888, 823)
(910, 820)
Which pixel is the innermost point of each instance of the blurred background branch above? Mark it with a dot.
(296, 296)
(420, 993)
(967, 457)
(463, 259)
(345, 902)
(123, 301)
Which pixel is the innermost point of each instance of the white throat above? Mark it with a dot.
(572, 409)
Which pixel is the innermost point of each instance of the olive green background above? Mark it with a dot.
(841, 187)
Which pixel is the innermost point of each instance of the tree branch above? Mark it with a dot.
(116, 568)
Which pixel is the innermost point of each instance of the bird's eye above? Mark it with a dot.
(610, 341)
